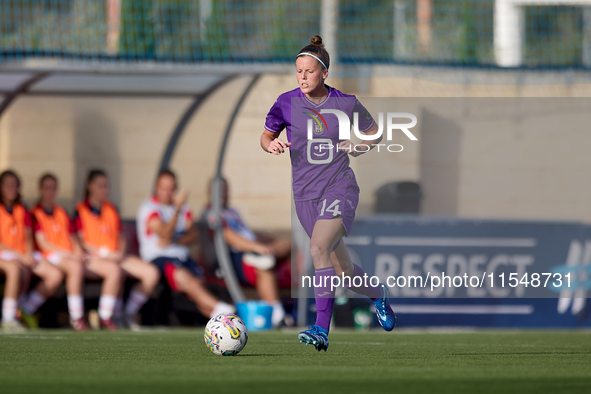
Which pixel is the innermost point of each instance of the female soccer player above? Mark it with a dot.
(56, 240)
(99, 230)
(324, 186)
(16, 246)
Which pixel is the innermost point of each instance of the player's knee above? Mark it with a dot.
(151, 277)
(12, 269)
(113, 272)
(75, 268)
(53, 279)
(318, 251)
(181, 278)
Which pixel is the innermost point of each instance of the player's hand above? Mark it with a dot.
(180, 198)
(79, 255)
(163, 244)
(115, 256)
(349, 147)
(277, 146)
(28, 260)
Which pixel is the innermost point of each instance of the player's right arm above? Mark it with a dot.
(93, 251)
(274, 124)
(44, 244)
(78, 250)
(270, 142)
(165, 231)
(78, 231)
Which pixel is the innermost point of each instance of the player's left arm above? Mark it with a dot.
(118, 255)
(190, 236)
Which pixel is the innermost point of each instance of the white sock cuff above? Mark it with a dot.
(9, 303)
(8, 309)
(106, 306)
(75, 306)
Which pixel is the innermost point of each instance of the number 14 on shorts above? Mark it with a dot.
(332, 208)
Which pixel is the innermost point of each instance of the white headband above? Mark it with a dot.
(314, 56)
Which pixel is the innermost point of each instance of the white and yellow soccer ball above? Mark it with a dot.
(225, 334)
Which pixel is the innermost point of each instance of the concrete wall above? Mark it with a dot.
(466, 170)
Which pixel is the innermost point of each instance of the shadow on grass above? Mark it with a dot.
(261, 355)
(516, 353)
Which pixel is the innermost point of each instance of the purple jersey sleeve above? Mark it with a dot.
(275, 122)
(365, 119)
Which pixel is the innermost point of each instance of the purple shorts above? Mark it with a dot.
(337, 200)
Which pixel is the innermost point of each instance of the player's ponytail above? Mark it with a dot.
(316, 50)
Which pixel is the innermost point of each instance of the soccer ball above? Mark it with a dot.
(225, 334)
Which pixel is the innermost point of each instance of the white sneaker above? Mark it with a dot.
(222, 307)
(278, 314)
(131, 323)
(13, 326)
(260, 261)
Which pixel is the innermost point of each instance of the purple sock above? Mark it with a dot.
(324, 296)
(372, 292)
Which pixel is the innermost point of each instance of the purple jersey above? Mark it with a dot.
(316, 163)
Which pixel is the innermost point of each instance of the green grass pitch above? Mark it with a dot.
(177, 361)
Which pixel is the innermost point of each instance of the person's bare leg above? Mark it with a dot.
(148, 275)
(193, 287)
(282, 247)
(269, 292)
(111, 273)
(12, 272)
(325, 235)
(74, 270)
(51, 278)
(267, 286)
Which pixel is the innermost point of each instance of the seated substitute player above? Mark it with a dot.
(254, 256)
(16, 246)
(12, 272)
(325, 191)
(165, 229)
(99, 229)
(11, 269)
(56, 240)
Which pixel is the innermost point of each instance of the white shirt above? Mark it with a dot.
(149, 248)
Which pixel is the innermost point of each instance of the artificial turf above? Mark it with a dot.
(177, 361)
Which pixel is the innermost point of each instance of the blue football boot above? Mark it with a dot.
(384, 311)
(315, 335)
